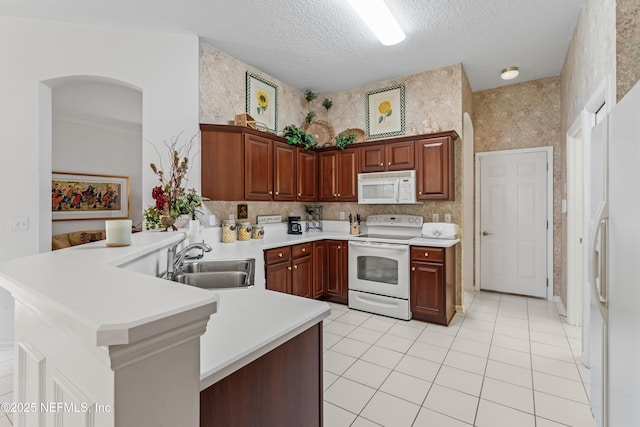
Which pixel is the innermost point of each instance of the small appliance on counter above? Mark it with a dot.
(294, 226)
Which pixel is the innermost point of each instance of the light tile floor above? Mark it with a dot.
(509, 361)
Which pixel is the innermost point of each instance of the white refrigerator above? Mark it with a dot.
(614, 265)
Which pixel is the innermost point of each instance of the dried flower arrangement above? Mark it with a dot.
(171, 196)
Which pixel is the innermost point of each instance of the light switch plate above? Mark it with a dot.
(20, 223)
(447, 217)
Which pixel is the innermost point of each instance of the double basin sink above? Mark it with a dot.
(217, 274)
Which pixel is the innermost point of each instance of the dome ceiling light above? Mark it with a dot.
(510, 73)
(379, 19)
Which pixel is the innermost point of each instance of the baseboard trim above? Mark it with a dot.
(560, 306)
(6, 345)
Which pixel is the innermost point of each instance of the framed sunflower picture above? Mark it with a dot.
(385, 112)
(262, 101)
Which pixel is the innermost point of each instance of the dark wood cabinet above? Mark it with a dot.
(338, 175)
(435, 169)
(290, 269)
(222, 155)
(432, 285)
(239, 163)
(384, 157)
(280, 388)
(319, 282)
(336, 270)
(258, 167)
(307, 175)
(285, 162)
(302, 277)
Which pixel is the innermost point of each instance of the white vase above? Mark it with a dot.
(194, 231)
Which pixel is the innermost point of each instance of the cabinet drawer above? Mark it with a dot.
(276, 255)
(421, 253)
(303, 249)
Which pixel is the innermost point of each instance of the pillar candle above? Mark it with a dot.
(118, 232)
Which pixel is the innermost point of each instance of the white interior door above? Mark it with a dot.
(513, 222)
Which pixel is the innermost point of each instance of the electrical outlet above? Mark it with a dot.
(342, 215)
(435, 218)
(447, 217)
(20, 223)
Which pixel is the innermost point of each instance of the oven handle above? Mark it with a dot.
(378, 245)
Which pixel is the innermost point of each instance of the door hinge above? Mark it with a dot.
(547, 282)
(547, 166)
(547, 224)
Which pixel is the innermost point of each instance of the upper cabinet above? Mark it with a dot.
(391, 156)
(258, 168)
(307, 178)
(435, 168)
(242, 164)
(338, 175)
(239, 163)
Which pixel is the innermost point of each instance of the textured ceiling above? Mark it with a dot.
(323, 46)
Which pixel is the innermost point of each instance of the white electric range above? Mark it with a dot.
(379, 264)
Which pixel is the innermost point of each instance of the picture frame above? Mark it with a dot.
(76, 196)
(262, 101)
(385, 112)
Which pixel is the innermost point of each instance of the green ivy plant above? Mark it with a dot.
(344, 139)
(296, 136)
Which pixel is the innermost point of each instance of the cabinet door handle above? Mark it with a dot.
(339, 247)
(381, 164)
(413, 269)
(280, 254)
(426, 254)
(295, 266)
(277, 193)
(289, 268)
(335, 195)
(299, 194)
(304, 249)
(270, 192)
(420, 193)
(338, 194)
(389, 163)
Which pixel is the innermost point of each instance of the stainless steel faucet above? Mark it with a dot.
(175, 260)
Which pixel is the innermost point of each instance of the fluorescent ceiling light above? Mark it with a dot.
(510, 73)
(379, 19)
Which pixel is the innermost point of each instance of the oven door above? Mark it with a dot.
(379, 268)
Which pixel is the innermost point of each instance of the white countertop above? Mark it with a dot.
(104, 304)
(117, 306)
(250, 323)
(107, 305)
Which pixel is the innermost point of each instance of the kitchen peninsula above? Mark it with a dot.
(96, 330)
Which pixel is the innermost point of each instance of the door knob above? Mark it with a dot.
(295, 266)
(486, 233)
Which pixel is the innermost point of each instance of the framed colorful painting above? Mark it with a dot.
(84, 196)
(262, 101)
(385, 112)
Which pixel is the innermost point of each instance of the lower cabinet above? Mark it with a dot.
(336, 268)
(290, 269)
(311, 270)
(281, 388)
(432, 285)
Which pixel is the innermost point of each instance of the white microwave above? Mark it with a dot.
(384, 188)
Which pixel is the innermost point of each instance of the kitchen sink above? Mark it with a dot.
(217, 274)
